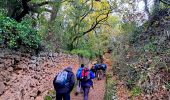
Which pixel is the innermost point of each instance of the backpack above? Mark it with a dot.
(103, 66)
(61, 78)
(78, 74)
(85, 74)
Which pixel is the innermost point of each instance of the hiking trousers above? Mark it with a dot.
(78, 88)
(62, 96)
(86, 92)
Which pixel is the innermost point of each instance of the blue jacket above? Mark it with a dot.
(96, 66)
(78, 72)
(89, 82)
(70, 80)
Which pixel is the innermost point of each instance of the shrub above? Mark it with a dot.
(14, 34)
(110, 88)
(136, 91)
(83, 53)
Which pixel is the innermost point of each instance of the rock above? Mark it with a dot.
(33, 57)
(33, 61)
(1, 65)
(32, 98)
(32, 66)
(10, 69)
(21, 66)
(36, 80)
(2, 88)
(39, 98)
(34, 93)
(2, 55)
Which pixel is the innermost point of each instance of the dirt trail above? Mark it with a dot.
(99, 85)
(95, 94)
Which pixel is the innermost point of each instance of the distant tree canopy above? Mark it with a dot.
(68, 24)
(17, 9)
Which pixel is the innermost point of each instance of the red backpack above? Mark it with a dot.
(85, 74)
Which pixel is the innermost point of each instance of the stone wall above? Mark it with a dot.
(27, 77)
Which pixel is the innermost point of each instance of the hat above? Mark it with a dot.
(86, 66)
(69, 68)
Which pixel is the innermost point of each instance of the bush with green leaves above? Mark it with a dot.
(136, 91)
(83, 53)
(110, 88)
(14, 34)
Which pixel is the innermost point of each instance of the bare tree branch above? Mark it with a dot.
(147, 9)
(165, 2)
(93, 26)
(85, 14)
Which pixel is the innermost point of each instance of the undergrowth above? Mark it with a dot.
(110, 88)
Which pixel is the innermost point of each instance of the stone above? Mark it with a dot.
(35, 81)
(21, 66)
(1, 78)
(33, 57)
(2, 88)
(32, 98)
(33, 61)
(32, 66)
(1, 65)
(10, 69)
(34, 92)
(1, 55)
(39, 98)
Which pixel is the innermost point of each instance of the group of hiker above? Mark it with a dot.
(65, 80)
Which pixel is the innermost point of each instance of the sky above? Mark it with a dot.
(141, 5)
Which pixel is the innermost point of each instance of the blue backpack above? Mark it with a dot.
(104, 66)
(78, 74)
(61, 78)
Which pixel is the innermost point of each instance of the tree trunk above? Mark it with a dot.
(147, 9)
(156, 6)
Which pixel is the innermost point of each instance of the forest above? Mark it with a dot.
(136, 33)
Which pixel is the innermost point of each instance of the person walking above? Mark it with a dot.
(78, 90)
(64, 83)
(86, 81)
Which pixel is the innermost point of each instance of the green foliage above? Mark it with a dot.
(110, 88)
(136, 91)
(134, 36)
(14, 34)
(150, 47)
(47, 98)
(84, 53)
(50, 95)
(167, 85)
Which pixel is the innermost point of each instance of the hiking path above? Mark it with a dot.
(96, 93)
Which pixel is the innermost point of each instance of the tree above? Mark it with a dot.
(17, 9)
(89, 14)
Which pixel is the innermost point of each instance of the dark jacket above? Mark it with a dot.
(70, 80)
(89, 82)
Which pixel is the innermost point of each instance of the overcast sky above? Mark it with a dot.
(141, 5)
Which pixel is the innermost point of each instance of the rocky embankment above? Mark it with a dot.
(27, 77)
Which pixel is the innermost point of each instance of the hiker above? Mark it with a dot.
(86, 81)
(78, 90)
(103, 68)
(93, 70)
(64, 83)
(100, 70)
